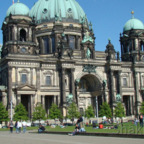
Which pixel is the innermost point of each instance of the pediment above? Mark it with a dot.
(23, 21)
(26, 87)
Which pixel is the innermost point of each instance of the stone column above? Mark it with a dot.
(130, 104)
(119, 83)
(136, 92)
(31, 73)
(43, 101)
(63, 91)
(16, 76)
(55, 99)
(58, 100)
(38, 78)
(73, 84)
(78, 42)
(50, 44)
(9, 85)
(18, 99)
(38, 85)
(32, 105)
(56, 42)
(111, 89)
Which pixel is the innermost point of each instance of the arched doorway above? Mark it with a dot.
(90, 87)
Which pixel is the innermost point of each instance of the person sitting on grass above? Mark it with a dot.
(77, 128)
(41, 129)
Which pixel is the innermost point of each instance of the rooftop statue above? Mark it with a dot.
(87, 37)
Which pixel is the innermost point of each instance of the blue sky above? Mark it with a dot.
(107, 16)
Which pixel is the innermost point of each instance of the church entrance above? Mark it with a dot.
(127, 104)
(90, 85)
(26, 101)
(48, 103)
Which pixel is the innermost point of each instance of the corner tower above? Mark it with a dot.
(132, 40)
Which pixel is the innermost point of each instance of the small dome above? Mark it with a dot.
(58, 10)
(133, 24)
(18, 9)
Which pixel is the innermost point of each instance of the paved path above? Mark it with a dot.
(30, 138)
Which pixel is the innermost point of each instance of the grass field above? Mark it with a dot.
(126, 128)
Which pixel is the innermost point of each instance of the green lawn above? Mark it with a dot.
(126, 128)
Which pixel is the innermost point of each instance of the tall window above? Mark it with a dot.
(23, 78)
(22, 35)
(72, 42)
(125, 82)
(53, 44)
(48, 80)
(46, 45)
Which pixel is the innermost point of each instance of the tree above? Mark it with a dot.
(119, 110)
(3, 113)
(142, 108)
(89, 112)
(105, 110)
(20, 113)
(73, 111)
(55, 112)
(39, 113)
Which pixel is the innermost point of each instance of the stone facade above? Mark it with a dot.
(44, 63)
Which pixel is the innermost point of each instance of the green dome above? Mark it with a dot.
(61, 10)
(18, 9)
(133, 24)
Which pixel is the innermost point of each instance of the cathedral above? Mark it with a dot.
(48, 56)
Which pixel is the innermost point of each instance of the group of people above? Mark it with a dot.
(18, 125)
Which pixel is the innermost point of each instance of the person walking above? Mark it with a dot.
(16, 126)
(11, 126)
(141, 120)
(19, 126)
(24, 125)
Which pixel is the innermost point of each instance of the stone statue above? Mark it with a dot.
(87, 37)
(88, 53)
(61, 46)
(118, 58)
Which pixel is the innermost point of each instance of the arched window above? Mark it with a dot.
(22, 35)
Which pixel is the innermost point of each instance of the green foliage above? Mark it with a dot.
(119, 110)
(55, 112)
(105, 110)
(3, 113)
(89, 112)
(142, 108)
(39, 113)
(20, 113)
(73, 111)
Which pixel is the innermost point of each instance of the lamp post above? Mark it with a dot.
(97, 109)
(11, 109)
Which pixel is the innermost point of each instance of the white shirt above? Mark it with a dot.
(24, 123)
(19, 124)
